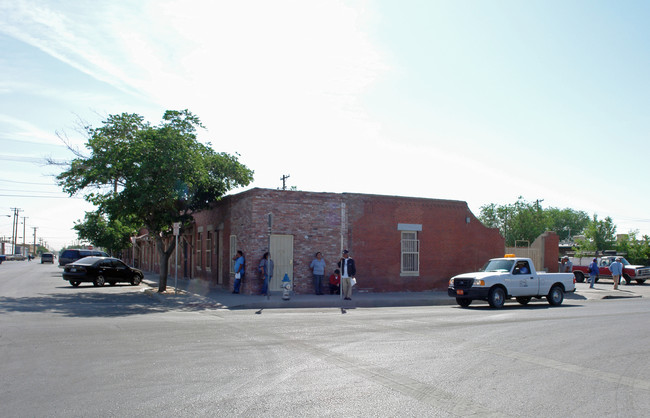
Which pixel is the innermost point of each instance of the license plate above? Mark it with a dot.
(460, 292)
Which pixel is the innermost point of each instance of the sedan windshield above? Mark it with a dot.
(498, 265)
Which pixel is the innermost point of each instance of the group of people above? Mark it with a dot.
(340, 281)
(616, 268)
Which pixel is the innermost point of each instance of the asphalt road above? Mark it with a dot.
(114, 351)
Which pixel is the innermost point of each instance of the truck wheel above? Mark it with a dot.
(524, 300)
(463, 302)
(580, 277)
(497, 297)
(640, 281)
(628, 279)
(555, 296)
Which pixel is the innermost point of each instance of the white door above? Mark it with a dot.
(522, 282)
(281, 249)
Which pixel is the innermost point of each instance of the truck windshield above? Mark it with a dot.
(498, 265)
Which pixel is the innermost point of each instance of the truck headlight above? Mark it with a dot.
(479, 282)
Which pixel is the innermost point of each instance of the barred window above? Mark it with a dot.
(199, 252)
(208, 250)
(410, 253)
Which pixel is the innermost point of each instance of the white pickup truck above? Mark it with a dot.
(507, 277)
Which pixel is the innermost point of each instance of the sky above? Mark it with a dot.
(477, 101)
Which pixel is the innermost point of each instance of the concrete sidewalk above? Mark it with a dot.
(195, 291)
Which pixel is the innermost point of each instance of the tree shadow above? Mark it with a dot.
(91, 302)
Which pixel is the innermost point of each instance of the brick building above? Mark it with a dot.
(398, 243)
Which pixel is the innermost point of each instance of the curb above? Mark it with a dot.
(224, 300)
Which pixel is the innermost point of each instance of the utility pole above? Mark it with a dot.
(24, 228)
(34, 250)
(14, 230)
(284, 178)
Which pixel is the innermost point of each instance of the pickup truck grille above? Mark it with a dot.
(463, 283)
(643, 272)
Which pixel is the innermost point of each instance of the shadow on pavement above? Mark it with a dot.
(95, 304)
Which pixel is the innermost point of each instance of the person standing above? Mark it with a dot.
(593, 273)
(266, 270)
(348, 271)
(566, 266)
(617, 271)
(239, 270)
(317, 267)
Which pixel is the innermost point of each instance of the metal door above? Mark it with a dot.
(281, 249)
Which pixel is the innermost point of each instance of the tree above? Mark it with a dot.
(112, 234)
(520, 221)
(637, 251)
(599, 235)
(153, 175)
(525, 221)
(566, 222)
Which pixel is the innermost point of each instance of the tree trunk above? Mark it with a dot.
(164, 261)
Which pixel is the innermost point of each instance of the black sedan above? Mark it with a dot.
(99, 271)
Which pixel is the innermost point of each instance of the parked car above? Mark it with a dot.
(2, 258)
(69, 256)
(101, 270)
(16, 257)
(47, 258)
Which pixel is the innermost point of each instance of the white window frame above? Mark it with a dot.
(410, 254)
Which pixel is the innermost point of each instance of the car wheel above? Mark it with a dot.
(524, 300)
(100, 281)
(555, 296)
(463, 302)
(497, 297)
(136, 280)
(75, 284)
(579, 276)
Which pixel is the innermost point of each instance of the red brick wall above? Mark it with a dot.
(448, 243)
(551, 251)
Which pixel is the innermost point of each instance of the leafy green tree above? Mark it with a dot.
(599, 235)
(112, 234)
(637, 251)
(520, 221)
(566, 222)
(525, 221)
(153, 175)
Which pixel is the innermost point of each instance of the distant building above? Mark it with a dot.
(398, 243)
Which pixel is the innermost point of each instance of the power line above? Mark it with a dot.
(41, 197)
(28, 182)
(30, 191)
